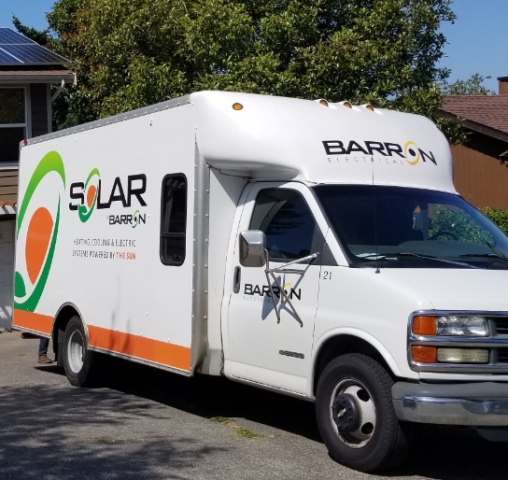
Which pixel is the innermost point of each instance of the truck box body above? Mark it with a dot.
(144, 230)
(107, 260)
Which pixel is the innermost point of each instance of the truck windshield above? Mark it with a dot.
(395, 227)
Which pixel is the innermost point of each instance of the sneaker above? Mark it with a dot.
(44, 359)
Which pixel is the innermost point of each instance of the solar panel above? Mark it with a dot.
(6, 59)
(16, 49)
(10, 37)
(33, 55)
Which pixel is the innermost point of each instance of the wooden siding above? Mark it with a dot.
(39, 100)
(8, 185)
(480, 178)
(503, 87)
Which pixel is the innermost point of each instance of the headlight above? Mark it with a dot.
(462, 326)
(452, 325)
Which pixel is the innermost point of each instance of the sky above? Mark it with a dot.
(476, 42)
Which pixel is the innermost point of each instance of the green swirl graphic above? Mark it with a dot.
(84, 213)
(51, 162)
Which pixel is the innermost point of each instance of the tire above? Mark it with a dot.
(78, 360)
(356, 417)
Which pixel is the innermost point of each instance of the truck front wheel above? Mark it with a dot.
(356, 417)
(78, 360)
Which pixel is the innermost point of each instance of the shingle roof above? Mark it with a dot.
(487, 114)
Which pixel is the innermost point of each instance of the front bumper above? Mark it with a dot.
(474, 404)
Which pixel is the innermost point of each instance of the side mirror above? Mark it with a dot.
(252, 248)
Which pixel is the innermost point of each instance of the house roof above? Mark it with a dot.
(37, 76)
(487, 114)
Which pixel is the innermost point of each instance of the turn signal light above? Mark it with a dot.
(323, 102)
(424, 325)
(348, 105)
(237, 106)
(423, 354)
(370, 107)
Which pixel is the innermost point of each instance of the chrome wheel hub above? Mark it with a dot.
(353, 413)
(76, 352)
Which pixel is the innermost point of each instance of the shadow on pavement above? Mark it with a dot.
(439, 453)
(209, 396)
(51, 432)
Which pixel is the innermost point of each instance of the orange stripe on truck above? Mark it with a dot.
(32, 321)
(119, 342)
(140, 347)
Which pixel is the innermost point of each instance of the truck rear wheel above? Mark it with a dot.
(78, 360)
(356, 417)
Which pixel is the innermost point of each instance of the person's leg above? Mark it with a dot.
(43, 351)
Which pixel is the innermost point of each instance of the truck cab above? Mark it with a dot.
(364, 277)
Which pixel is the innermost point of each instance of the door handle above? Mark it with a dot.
(237, 279)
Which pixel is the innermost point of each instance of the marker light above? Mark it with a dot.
(237, 106)
(424, 354)
(323, 102)
(424, 325)
(348, 105)
(467, 326)
(370, 107)
(462, 355)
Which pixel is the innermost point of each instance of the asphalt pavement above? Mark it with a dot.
(149, 424)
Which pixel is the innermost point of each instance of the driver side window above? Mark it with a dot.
(290, 229)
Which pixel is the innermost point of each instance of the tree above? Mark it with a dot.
(472, 86)
(42, 37)
(130, 53)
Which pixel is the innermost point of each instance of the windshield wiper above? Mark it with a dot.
(384, 256)
(435, 259)
(485, 255)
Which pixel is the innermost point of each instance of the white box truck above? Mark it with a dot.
(316, 249)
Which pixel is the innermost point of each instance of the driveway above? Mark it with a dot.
(149, 424)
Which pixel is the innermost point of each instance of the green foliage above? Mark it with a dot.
(130, 53)
(40, 37)
(463, 227)
(245, 433)
(471, 86)
(498, 216)
(450, 224)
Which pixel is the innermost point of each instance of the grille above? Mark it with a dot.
(502, 355)
(501, 325)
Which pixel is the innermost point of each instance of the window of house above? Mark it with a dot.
(173, 219)
(13, 123)
(285, 218)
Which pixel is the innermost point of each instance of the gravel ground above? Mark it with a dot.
(149, 424)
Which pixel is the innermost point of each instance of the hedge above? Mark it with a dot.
(498, 216)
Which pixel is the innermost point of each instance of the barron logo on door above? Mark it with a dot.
(37, 230)
(264, 290)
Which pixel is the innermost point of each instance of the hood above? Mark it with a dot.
(450, 289)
